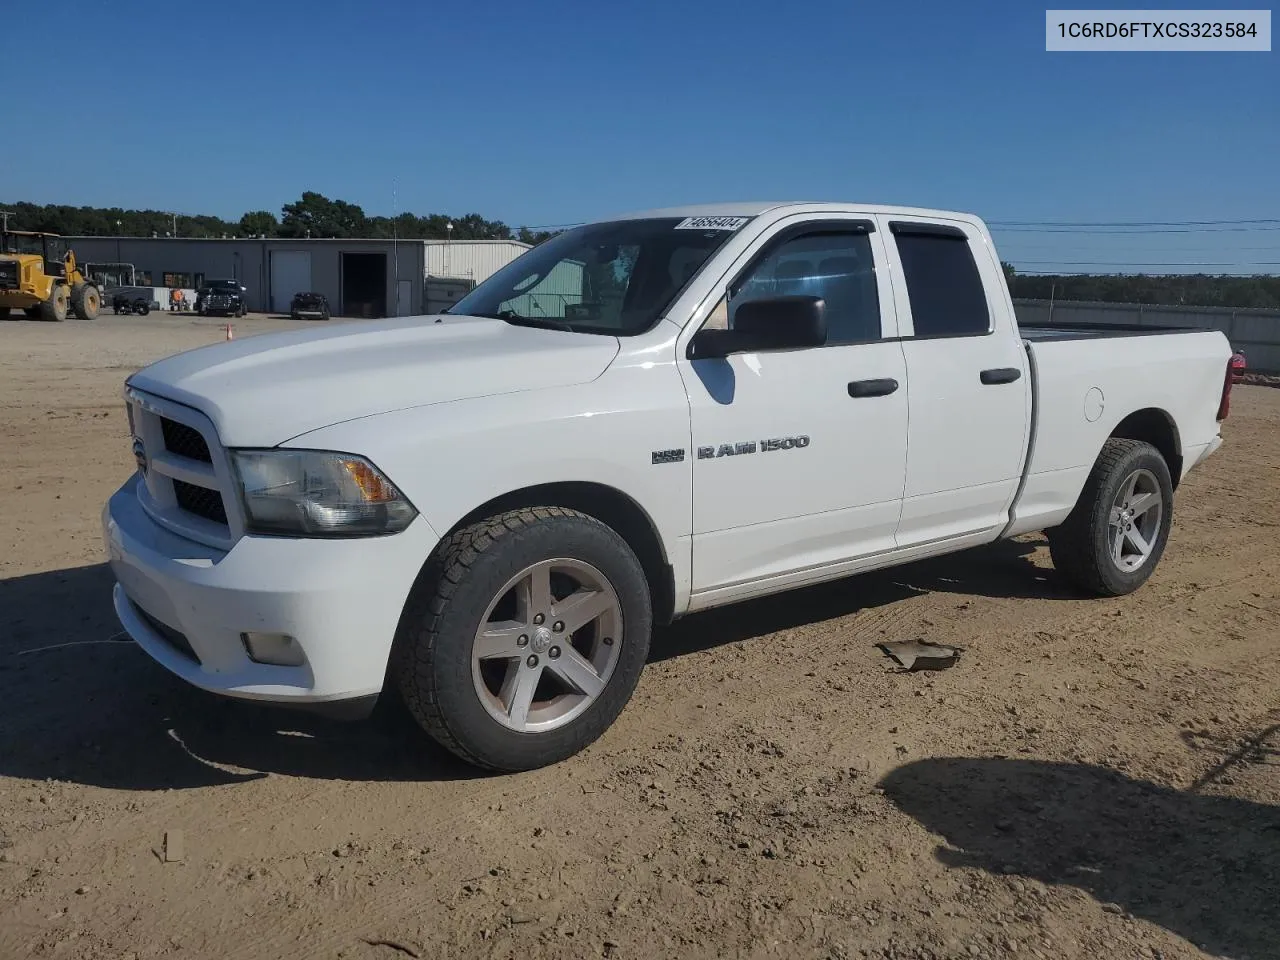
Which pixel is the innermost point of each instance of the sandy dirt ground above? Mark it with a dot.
(1094, 778)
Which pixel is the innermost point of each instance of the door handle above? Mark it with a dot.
(1000, 375)
(873, 388)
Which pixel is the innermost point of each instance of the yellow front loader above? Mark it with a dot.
(39, 275)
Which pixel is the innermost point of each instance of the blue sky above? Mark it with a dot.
(554, 112)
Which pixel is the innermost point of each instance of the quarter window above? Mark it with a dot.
(943, 284)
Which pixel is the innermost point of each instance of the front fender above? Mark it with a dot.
(451, 458)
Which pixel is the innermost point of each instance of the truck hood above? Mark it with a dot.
(264, 390)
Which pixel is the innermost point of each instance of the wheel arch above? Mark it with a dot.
(1156, 427)
(617, 510)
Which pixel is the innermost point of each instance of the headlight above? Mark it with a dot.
(314, 493)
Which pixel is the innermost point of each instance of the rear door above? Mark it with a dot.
(800, 455)
(969, 403)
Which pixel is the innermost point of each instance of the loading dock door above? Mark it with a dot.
(442, 294)
(290, 274)
(365, 287)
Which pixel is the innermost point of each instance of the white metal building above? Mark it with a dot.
(473, 260)
(360, 278)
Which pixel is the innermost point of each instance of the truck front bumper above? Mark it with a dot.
(193, 608)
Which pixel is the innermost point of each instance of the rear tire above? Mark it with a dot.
(523, 573)
(141, 308)
(1111, 541)
(86, 301)
(54, 310)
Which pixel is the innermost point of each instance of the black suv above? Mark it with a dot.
(309, 306)
(221, 298)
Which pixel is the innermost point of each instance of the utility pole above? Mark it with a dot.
(395, 244)
(6, 214)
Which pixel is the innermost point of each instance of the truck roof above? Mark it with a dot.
(753, 208)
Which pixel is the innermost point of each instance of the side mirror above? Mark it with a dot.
(778, 323)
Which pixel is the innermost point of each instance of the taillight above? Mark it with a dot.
(1224, 407)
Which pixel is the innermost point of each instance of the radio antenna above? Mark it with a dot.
(395, 242)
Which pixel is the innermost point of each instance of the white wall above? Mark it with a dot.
(474, 260)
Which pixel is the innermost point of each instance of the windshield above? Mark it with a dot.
(613, 278)
(223, 285)
(21, 243)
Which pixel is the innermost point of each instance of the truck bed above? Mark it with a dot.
(1041, 333)
(1084, 384)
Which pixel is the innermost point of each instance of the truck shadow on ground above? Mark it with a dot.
(78, 708)
(80, 702)
(1206, 868)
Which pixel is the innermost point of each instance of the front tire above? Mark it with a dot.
(524, 637)
(54, 310)
(1111, 541)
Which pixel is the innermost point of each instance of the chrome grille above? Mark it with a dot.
(201, 501)
(186, 483)
(184, 441)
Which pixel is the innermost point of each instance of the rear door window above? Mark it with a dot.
(943, 283)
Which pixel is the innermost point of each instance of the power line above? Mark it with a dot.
(1129, 248)
(1100, 231)
(552, 226)
(1019, 272)
(1158, 263)
(1127, 223)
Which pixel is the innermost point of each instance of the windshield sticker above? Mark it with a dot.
(711, 223)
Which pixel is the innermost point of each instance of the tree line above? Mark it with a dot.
(312, 215)
(1192, 290)
(315, 215)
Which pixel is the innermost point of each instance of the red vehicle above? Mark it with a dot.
(1238, 366)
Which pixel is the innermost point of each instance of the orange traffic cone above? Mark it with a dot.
(230, 334)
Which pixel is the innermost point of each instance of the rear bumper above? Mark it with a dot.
(187, 605)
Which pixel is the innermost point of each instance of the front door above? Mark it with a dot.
(800, 455)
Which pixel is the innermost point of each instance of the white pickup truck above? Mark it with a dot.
(488, 511)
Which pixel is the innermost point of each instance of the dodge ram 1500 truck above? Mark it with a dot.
(487, 511)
